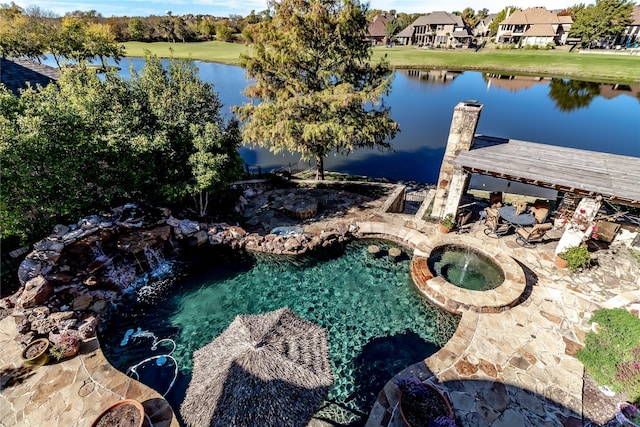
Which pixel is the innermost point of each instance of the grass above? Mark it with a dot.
(609, 355)
(618, 68)
(225, 53)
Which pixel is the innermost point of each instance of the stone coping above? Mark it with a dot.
(442, 293)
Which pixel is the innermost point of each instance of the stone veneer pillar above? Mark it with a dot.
(452, 182)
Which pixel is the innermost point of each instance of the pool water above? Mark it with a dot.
(465, 268)
(377, 323)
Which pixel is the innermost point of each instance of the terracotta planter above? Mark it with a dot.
(41, 356)
(443, 398)
(133, 414)
(72, 351)
(443, 229)
(561, 263)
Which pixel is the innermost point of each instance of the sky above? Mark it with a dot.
(224, 8)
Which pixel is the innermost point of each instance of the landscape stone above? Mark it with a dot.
(36, 291)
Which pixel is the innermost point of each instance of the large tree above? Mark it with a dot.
(315, 87)
(604, 19)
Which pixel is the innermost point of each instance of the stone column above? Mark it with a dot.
(452, 183)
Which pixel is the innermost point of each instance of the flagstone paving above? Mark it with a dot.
(517, 367)
(514, 367)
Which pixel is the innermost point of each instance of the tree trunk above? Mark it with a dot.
(320, 169)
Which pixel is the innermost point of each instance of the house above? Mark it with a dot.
(631, 37)
(535, 26)
(437, 29)
(481, 28)
(377, 29)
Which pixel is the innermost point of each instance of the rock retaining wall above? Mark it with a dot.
(70, 277)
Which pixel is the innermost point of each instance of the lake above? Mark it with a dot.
(570, 113)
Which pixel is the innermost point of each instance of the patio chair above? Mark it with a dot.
(527, 236)
(540, 211)
(463, 217)
(494, 227)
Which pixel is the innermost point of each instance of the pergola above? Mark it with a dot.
(588, 173)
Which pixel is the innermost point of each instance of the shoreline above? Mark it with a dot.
(599, 67)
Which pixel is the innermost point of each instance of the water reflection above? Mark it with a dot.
(568, 94)
(432, 76)
(513, 83)
(571, 95)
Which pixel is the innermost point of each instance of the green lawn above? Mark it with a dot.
(617, 68)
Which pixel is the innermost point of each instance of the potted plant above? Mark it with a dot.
(447, 223)
(67, 345)
(577, 257)
(124, 413)
(628, 414)
(36, 352)
(422, 404)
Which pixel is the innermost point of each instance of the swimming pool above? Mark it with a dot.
(376, 321)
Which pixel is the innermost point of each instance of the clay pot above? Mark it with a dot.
(41, 357)
(72, 351)
(441, 396)
(444, 229)
(106, 417)
(561, 263)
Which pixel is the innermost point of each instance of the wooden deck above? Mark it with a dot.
(614, 177)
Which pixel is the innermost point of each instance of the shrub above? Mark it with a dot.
(612, 356)
(577, 257)
(448, 221)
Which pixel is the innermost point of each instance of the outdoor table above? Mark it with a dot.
(508, 213)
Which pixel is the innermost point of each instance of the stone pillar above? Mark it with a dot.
(452, 183)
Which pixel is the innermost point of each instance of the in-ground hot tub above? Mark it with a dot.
(465, 267)
(462, 273)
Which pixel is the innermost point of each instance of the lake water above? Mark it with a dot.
(591, 116)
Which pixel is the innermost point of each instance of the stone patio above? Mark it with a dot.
(513, 367)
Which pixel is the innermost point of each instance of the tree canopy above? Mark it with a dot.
(319, 93)
(89, 142)
(603, 19)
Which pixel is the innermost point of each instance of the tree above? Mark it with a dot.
(392, 28)
(604, 19)
(571, 95)
(482, 13)
(86, 143)
(137, 30)
(319, 92)
(469, 16)
(224, 33)
(100, 42)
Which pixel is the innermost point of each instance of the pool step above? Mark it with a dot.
(420, 271)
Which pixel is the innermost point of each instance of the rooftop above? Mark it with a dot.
(16, 73)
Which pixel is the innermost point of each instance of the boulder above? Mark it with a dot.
(60, 230)
(188, 227)
(81, 302)
(29, 268)
(199, 238)
(87, 327)
(36, 292)
(49, 245)
(292, 244)
(236, 232)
